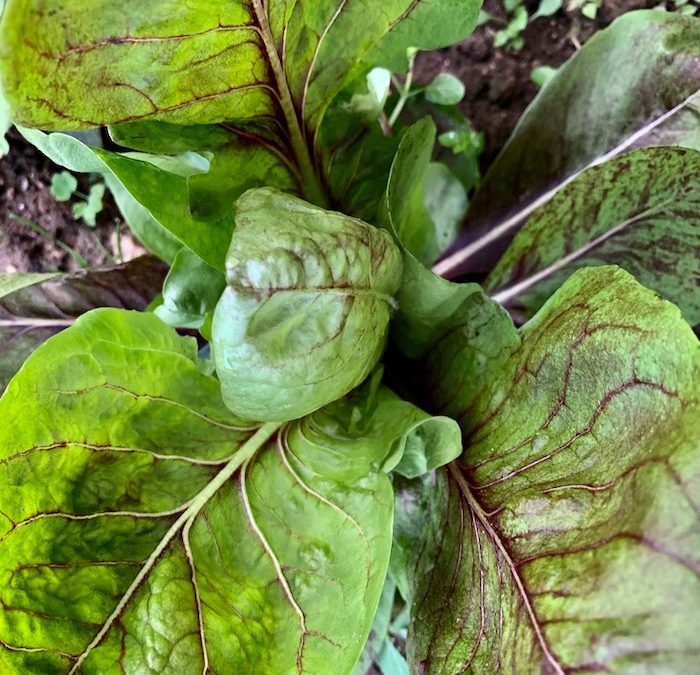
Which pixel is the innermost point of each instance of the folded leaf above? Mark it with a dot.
(634, 84)
(190, 292)
(34, 307)
(305, 315)
(144, 527)
(640, 211)
(566, 537)
(425, 233)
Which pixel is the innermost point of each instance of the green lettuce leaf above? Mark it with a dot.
(565, 539)
(143, 527)
(305, 314)
(239, 162)
(159, 191)
(634, 84)
(424, 227)
(33, 307)
(640, 211)
(271, 52)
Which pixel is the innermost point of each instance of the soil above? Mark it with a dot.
(498, 90)
(27, 205)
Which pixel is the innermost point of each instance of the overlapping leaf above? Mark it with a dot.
(566, 539)
(272, 53)
(143, 527)
(35, 307)
(633, 84)
(640, 211)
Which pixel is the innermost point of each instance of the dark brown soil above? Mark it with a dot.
(26, 201)
(498, 81)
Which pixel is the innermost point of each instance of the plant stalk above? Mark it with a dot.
(405, 91)
(312, 188)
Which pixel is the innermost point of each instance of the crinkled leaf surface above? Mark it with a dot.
(304, 317)
(37, 306)
(629, 86)
(566, 538)
(145, 528)
(640, 211)
(271, 52)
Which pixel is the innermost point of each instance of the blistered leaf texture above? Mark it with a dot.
(640, 211)
(144, 528)
(304, 317)
(566, 538)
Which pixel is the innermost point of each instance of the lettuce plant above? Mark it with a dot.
(245, 452)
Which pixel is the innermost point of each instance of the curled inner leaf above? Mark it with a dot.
(304, 317)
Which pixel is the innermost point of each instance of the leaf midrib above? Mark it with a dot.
(477, 510)
(191, 510)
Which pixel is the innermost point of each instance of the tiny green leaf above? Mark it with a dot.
(445, 89)
(372, 103)
(304, 317)
(542, 74)
(590, 10)
(547, 8)
(89, 209)
(63, 185)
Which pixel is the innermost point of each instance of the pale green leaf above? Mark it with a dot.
(445, 89)
(305, 314)
(63, 185)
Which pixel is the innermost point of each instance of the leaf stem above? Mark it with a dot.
(312, 187)
(405, 91)
(35, 323)
(505, 295)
